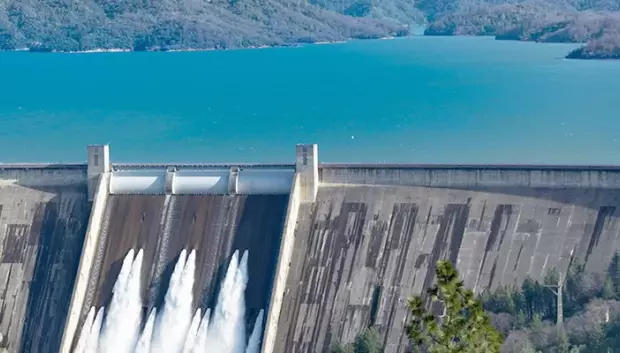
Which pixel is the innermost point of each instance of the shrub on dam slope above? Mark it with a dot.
(462, 327)
(368, 341)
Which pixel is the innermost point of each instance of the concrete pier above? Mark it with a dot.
(307, 167)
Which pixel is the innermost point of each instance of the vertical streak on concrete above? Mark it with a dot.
(307, 167)
(86, 261)
(282, 267)
(98, 163)
(159, 262)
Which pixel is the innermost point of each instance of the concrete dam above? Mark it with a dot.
(284, 258)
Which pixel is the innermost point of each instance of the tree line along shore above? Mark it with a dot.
(88, 25)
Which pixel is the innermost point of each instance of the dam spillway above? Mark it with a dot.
(213, 225)
(331, 249)
(203, 219)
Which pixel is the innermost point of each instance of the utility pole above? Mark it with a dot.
(557, 290)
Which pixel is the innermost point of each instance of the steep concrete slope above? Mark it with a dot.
(214, 225)
(366, 244)
(43, 216)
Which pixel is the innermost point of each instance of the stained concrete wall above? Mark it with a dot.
(373, 235)
(214, 225)
(87, 257)
(283, 266)
(472, 176)
(43, 216)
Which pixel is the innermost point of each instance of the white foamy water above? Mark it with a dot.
(80, 347)
(254, 341)
(144, 343)
(122, 323)
(174, 328)
(227, 331)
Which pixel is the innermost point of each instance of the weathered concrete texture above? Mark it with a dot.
(472, 176)
(282, 267)
(361, 250)
(214, 225)
(89, 250)
(43, 218)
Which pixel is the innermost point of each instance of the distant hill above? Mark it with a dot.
(77, 25)
(404, 11)
(576, 21)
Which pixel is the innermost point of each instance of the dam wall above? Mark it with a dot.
(283, 266)
(89, 249)
(374, 233)
(333, 248)
(44, 212)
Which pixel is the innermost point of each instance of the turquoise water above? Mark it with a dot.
(414, 100)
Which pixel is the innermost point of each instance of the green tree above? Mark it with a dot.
(520, 320)
(536, 321)
(563, 344)
(550, 300)
(500, 301)
(610, 341)
(533, 296)
(608, 292)
(338, 347)
(368, 341)
(613, 271)
(464, 326)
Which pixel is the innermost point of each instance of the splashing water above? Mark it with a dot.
(144, 343)
(254, 342)
(122, 323)
(175, 329)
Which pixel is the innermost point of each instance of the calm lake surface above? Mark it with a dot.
(413, 100)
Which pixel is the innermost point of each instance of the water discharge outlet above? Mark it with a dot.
(174, 329)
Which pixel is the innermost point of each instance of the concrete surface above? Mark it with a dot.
(43, 215)
(87, 258)
(372, 238)
(214, 225)
(356, 242)
(98, 157)
(472, 175)
(283, 266)
(307, 167)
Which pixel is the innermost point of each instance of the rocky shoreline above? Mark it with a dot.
(600, 31)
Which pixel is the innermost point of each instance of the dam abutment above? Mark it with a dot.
(304, 189)
(283, 266)
(44, 212)
(87, 258)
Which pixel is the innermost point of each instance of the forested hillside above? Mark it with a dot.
(527, 315)
(72, 25)
(596, 22)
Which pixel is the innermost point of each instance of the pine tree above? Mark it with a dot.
(464, 327)
(368, 342)
(608, 291)
(536, 323)
(563, 344)
(613, 272)
(341, 348)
